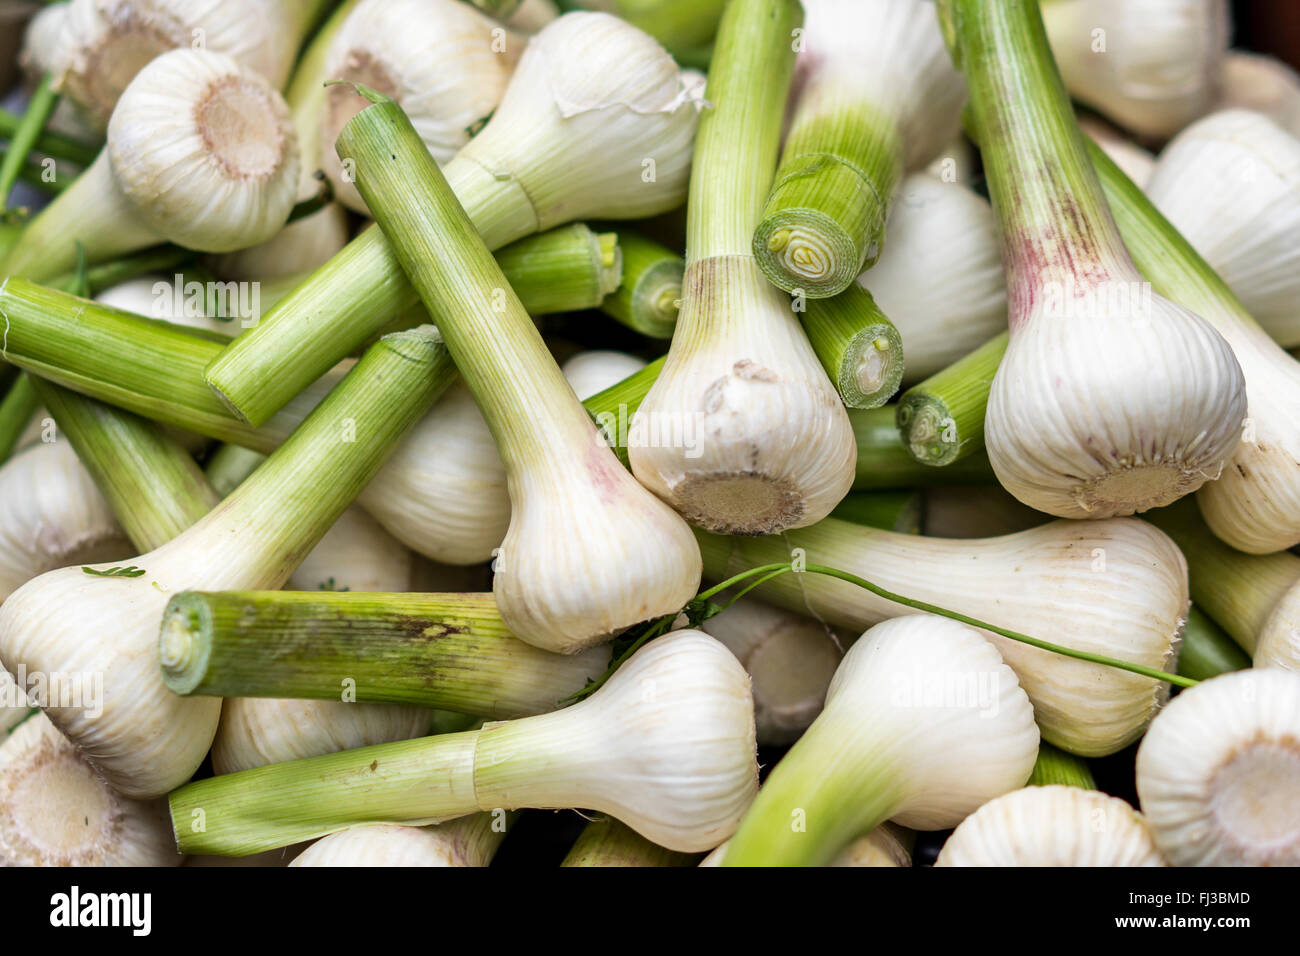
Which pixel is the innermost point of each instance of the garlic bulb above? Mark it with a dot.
(723, 435)
(1052, 826)
(469, 841)
(790, 658)
(164, 298)
(200, 152)
(1116, 587)
(1278, 642)
(595, 123)
(1137, 163)
(666, 745)
(43, 41)
(1218, 773)
(107, 42)
(1249, 81)
(55, 810)
(939, 227)
(880, 847)
(1230, 183)
(923, 723)
(52, 515)
(742, 432)
(445, 63)
(678, 711)
(592, 371)
(1110, 399)
(298, 248)
(452, 452)
(356, 554)
(1149, 65)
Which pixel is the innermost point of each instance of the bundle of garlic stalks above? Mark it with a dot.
(415, 416)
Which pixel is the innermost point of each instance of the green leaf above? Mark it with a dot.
(130, 571)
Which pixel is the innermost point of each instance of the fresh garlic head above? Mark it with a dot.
(1111, 399)
(356, 554)
(468, 841)
(443, 490)
(1218, 773)
(52, 515)
(666, 746)
(789, 657)
(442, 493)
(889, 55)
(880, 847)
(204, 151)
(937, 697)
(55, 810)
(44, 45)
(1250, 81)
(742, 432)
(1278, 642)
(1116, 587)
(1052, 826)
(595, 370)
(445, 63)
(1230, 183)
(939, 228)
(107, 42)
(300, 247)
(596, 123)
(1152, 66)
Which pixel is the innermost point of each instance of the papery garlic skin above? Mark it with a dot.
(1251, 81)
(939, 228)
(1230, 183)
(879, 848)
(1150, 65)
(742, 432)
(107, 42)
(52, 515)
(596, 122)
(1116, 588)
(1218, 773)
(439, 59)
(468, 841)
(168, 134)
(1114, 411)
(356, 554)
(666, 746)
(789, 657)
(1052, 826)
(55, 810)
